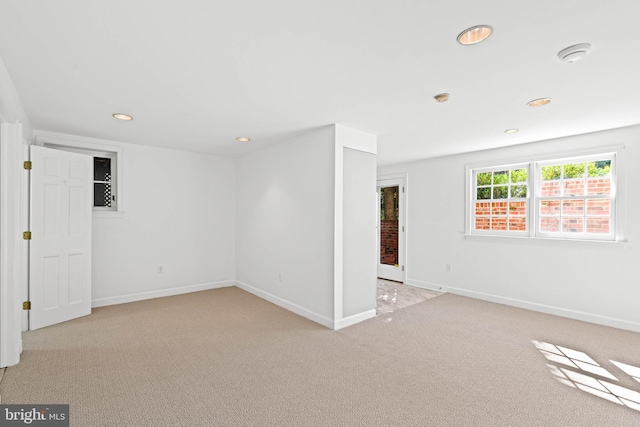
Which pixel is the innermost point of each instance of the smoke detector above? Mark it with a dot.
(574, 53)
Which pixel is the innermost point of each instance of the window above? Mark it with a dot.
(104, 188)
(572, 198)
(576, 197)
(501, 199)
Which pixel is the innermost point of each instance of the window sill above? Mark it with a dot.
(618, 244)
(108, 214)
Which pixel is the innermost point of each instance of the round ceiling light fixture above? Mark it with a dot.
(441, 97)
(538, 102)
(574, 53)
(510, 131)
(243, 139)
(121, 116)
(475, 34)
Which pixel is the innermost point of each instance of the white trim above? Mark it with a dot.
(122, 299)
(617, 244)
(11, 243)
(338, 232)
(356, 318)
(541, 308)
(287, 305)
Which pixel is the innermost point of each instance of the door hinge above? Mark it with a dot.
(403, 228)
(403, 268)
(403, 189)
(26, 305)
(26, 235)
(28, 165)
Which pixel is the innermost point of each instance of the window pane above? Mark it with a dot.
(501, 177)
(500, 192)
(573, 187)
(517, 224)
(599, 207)
(484, 193)
(101, 169)
(483, 209)
(599, 168)
(598, 225)
(519, 175)
(549, 207)
(572, 207)
(518, 191)
(549, 225)
(550, 188)
(483, 223)
(572, 225)
(484, 178)
(102, 194)
(499, 223)
(499, 208)
(573, 170)
(598, 185)
(518, 208)
(550, 173)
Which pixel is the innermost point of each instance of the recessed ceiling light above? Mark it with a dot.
(121, 116)
(514, 130)
(243, 139)
(538, 102)
(442, 97)
(474, 34)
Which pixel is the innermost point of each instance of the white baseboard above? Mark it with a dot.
(101, 302)
(295, 308)
(543, 308)
(352, 320)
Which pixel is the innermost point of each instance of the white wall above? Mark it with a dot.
(359, 220)
(179, 213)
(597, 282)
(285, 224)
(176, 210)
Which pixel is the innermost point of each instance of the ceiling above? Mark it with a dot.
(196, 74)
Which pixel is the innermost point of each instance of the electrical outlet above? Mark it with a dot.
(447, 268)
(160, 269)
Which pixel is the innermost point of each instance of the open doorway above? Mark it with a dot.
(391, 229)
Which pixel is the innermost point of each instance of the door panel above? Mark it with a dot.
(60, 248)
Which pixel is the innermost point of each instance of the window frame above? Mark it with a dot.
(114, 179)
(612, 196)
(534, 166)
(473, 195)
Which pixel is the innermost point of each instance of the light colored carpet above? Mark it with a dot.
(227, 358)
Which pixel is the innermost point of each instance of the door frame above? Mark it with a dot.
(12, 246)
(402, 181)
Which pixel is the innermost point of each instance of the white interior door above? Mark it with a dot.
(60, 247)
(391, 229)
